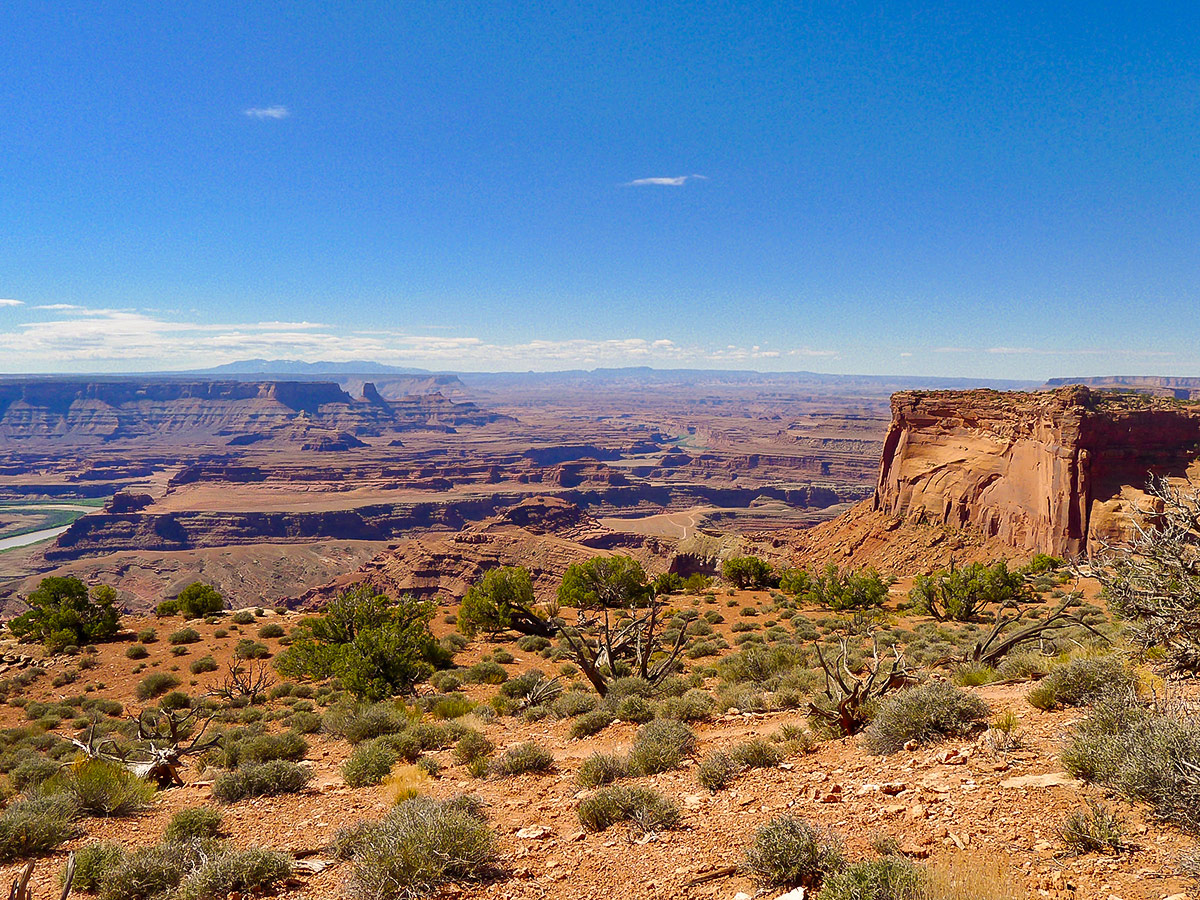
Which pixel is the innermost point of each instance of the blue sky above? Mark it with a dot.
(977, 189)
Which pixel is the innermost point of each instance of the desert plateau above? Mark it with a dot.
(599, 451)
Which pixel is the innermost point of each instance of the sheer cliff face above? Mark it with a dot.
(1049, 472)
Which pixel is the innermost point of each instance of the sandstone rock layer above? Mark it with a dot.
(1051, 472)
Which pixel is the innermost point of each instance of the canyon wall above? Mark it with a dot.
(57, 409)
(1052, 472)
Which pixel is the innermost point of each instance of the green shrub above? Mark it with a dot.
(36, 825)
(445, 682)
(198, 600)
(790, 852)
(471, 746)
(202, 665)
(194, 823)
(574, 703)
(243, 617)
(1094, 830)
(889, 878)
(147, 636)
(257, 748)
(369, 763)
(261, 780)
(32, 771)
(156, 684)
(1081, 682)
(961, 594)
(62, 614)
(236, 872)
(589, 723)
(523, 758)
(93, 862)
(101, 788)
(271, 630)
(645, 809)
(184, 636)
(600, 769)
(659, 746)
(925, 714)
(533, 643)
(377, 647)
(746, 572)
(136, 651)
(848, 590)
(248, 649)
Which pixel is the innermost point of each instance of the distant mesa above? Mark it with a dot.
(244, 412)
(1161, 386)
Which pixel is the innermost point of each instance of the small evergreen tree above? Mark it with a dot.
(62, 614)
(745, 572)
(377, 646)
(500, 600)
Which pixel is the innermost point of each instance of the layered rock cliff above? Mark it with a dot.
(54, 409)
(1049, 472)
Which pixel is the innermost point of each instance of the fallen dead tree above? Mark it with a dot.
(165, 739)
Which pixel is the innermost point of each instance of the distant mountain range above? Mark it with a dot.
(277, 367)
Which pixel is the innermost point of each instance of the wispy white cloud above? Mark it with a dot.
(4, 302)
(58, 307)
(1049, 351)
(127, 339)
(268, 112)
(664, 181)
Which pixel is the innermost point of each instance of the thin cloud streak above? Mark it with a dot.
(4, 302)
(268, 112)
(136, 339)
(672, 181)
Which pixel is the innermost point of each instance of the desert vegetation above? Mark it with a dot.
(625, 706)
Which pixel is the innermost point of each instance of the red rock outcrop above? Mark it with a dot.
(1045, 471)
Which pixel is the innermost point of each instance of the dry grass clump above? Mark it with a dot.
(588, 723)
(1081, 682)
(645, 809)
(261, 780)
(972, 876)
(889, 878)
(405, 783)
(417, 847)
(1094, 829)
(600, 769)
(194, 823)
(719, 768)
(369, 763)
(925, 714)
(522, 759)
(790, 852)
(236, 872)
(659, 746)
(1142, 754)
(36, 825)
